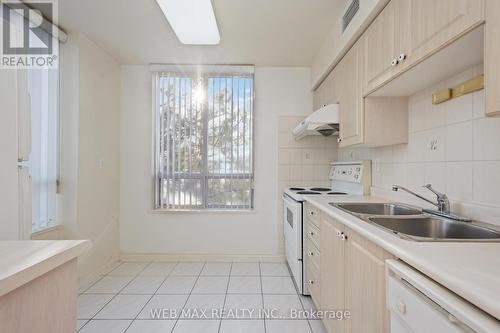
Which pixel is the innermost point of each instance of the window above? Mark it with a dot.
(203, 141)
(43, 90)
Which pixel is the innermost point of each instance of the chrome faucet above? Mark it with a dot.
(443, 204)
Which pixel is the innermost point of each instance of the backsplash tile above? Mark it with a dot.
(452, 145)
(306, 161)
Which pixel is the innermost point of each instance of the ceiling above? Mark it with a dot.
(260, 32)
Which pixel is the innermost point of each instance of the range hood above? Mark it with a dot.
(324, 121)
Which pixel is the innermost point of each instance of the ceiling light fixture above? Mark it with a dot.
(193, 21)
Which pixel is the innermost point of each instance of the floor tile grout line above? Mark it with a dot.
(304, 308)
(112, 298)
(84, 292)
(225, 295)
(154, 293)
(170, 274)
(101, 276)
(262, 297)
(187, 299)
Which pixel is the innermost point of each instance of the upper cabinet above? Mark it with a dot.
(492, 58)
(432, 24)
(382, 46)
(408, 31)
(410, 44)
(327, 92)
(350, 73)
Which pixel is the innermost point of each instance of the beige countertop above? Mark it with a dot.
(471, 270)
(23, 261)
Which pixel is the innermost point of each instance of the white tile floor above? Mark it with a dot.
(125, 297)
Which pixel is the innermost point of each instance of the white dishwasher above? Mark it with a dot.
(418, 304)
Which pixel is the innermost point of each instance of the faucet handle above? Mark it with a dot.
(429, 187)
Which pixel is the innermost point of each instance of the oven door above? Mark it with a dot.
(292, 228)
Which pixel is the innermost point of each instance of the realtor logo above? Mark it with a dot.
(27, 34)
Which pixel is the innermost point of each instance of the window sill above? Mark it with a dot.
(45, 230)
(203, 211)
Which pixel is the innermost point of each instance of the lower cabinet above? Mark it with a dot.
(365, 285)
(332, 271)
(352, 278)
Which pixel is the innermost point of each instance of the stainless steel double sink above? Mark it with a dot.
(412, 223)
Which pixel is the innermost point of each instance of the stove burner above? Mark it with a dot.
(297, 189)
(320, 189)
(337, 193)
(308, 192)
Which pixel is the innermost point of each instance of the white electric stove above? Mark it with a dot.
(347, 178)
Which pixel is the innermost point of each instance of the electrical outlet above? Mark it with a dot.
(434, 144)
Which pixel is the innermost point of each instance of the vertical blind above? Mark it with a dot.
(203, 141)
(43, 88)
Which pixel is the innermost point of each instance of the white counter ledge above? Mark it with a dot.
(471, 270)
(24, 261)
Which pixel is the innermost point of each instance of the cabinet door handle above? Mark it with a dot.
(338, 233)
(402, 57)
(311, 282)
(311, 233)
(339, 140)
(311, 213)
(311, 253)
(394, 62)
(343, 236)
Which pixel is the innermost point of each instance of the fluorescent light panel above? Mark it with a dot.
(193, 21)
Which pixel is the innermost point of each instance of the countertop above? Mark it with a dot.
(471, 270)
(23, 261)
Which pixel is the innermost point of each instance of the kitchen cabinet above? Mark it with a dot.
(432, 24)
(382, 42)
(367, 121)
(365, 285)
(352, 277)
(327, 92)
(332, 271)
(350, 92)
(408, 31)
(312, 252)
(492, 58)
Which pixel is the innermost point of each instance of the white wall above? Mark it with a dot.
(279, 91)
(88, 205)
(464, 162)
(337, 43)
(9, 226)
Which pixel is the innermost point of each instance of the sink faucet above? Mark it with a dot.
(443, 204)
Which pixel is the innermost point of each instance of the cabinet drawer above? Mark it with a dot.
(313, 254)
(313, 283)
(312, 214)
(313, 234)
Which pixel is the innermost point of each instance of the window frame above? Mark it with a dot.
(204, 175)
